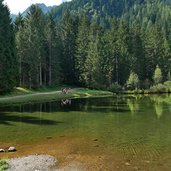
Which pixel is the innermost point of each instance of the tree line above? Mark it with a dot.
(40, 51)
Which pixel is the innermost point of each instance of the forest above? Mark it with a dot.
(91, 43)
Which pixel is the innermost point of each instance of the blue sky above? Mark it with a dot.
(17, 6)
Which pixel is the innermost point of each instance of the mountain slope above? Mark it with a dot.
(43, 7)
(148, 11)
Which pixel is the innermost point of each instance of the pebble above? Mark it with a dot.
(147, 161)
(2, 150)
(95, 140)
(127, 164)
(136, 168)
(11, 149)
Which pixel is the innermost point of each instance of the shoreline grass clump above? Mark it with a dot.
(3, 164)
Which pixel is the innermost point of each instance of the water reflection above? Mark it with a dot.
(133, 105)
(66, 102)
(159, 102)
(120, 104)
(159, 110)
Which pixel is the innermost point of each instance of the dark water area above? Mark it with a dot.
(136, 128)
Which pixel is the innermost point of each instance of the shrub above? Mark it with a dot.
(167, 83)
(159, 88)
(3, 165)
(133, 81)
(157, 75)
(115, 88)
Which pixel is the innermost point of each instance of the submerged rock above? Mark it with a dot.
(95, 140)
(11, 149)
(127, 164)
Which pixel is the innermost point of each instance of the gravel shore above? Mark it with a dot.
(32, 163)
(41, 163)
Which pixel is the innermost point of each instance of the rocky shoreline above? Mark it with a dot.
(41, 163)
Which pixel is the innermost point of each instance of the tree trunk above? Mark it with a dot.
(30, 80)
(20, 72)
(40, 74)
(50, 64)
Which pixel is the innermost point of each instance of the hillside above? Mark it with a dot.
(143, 11)
(43, 7)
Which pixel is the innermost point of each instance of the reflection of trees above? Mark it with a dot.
(159, 102)
(159, 109)
(133, 105)
(161, 99)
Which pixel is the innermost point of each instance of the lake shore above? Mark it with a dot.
(50, 95)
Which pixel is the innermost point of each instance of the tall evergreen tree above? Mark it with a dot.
(124, 52)
(82, 42)
(53, 51)
(8, 59)
(31, 45)
(68, 38)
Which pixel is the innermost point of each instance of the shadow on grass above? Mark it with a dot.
(7, 119)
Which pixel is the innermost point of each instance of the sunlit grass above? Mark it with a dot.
(23, 90)
(22, 95)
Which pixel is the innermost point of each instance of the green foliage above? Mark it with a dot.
(159, 88)
(3, 165)
(115, 88)
(8, 60)
(88, 43)
(167, 83)
(157, 75)
(133, 81)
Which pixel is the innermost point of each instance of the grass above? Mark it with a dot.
(22, 95)
(3, 164)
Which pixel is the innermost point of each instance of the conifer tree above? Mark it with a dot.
(68, 38)
(8, 59)
(82, 42)
(133, 81)
(157, 75)
(52, 69)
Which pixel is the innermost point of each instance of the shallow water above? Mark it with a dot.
(125, 133)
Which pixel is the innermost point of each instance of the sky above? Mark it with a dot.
(17, 6)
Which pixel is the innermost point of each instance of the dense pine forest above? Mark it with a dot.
(92, 43)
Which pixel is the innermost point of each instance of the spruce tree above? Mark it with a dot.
(82, 42)
(157, 78)
(8, 59)
(68, 38)
(52, 69)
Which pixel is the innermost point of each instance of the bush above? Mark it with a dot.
(157, 75)
(115, 88)
(167, 83)
(133, 81)
(159, 88)
(3, 165)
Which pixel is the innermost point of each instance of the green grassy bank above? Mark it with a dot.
(21, 95)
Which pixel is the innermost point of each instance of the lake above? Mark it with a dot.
(114, 133)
